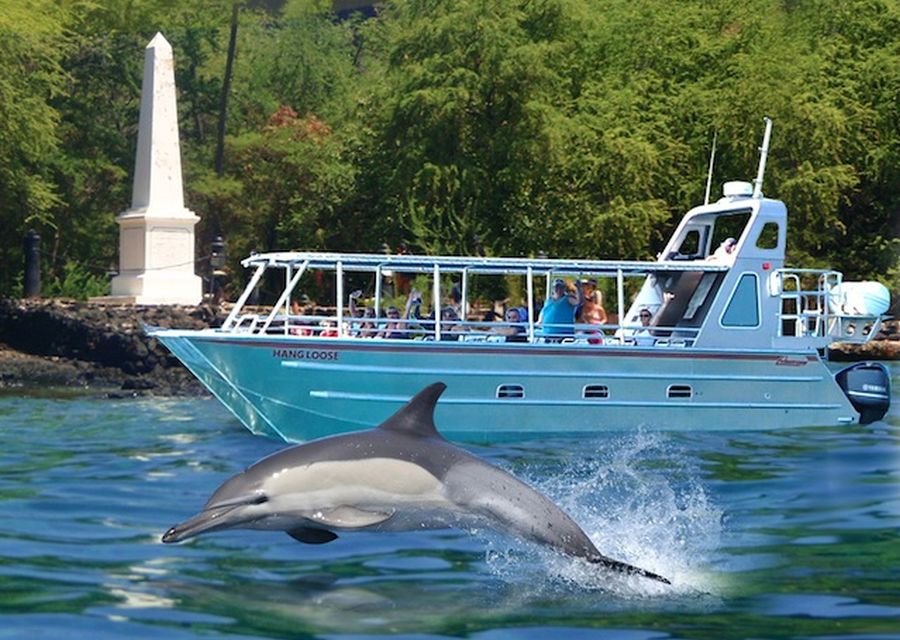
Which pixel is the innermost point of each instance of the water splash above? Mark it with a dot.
(641, 500)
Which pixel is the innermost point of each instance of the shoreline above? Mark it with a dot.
(96, 347)
(101, 348)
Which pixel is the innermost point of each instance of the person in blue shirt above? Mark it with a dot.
(557, 318)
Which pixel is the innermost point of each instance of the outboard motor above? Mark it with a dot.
(868, 386)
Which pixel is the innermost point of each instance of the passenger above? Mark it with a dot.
(328, 329)
(557, 318)
(395, 327)
(296, 326)
(725, 252)
(643, 337)
(455, 299)
(592, 311)
(450, 324)
(513, 329)
(362, 323)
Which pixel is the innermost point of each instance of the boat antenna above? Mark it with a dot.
(763, 154)
(712, 162)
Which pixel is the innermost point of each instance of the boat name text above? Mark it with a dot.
(784, 361)
(305, 354)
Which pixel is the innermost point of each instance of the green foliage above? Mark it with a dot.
(293, 174)
(32, 43)
(76, 282)
(509, 127)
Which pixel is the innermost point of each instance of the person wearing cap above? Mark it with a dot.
(725, 252)
(557, 318)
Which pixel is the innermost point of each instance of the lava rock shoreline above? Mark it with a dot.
(65, 343)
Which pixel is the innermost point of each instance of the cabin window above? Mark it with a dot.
(700, 295)
(510, 391)
(690, 244)
(730, 225)
(743, 308)
(596, 392)
(679, 391)
(768, 236)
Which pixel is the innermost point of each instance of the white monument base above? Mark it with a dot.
(156, 264)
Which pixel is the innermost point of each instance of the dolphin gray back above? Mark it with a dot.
(409, 435)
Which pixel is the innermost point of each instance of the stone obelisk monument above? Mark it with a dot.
(156, 235)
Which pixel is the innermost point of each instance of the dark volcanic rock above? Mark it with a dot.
(66, 343)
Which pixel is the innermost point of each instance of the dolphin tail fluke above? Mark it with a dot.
(624, 567)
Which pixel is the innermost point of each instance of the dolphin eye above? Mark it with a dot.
(260, 499)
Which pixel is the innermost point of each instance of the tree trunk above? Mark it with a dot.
(226, 88)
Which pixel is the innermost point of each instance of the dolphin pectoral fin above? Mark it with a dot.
(347, 517)
(624, 567)
(310, 535)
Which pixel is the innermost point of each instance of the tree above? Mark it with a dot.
(468, 125)
(32, 44)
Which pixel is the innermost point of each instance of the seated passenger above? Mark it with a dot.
(557, 318)
(725, 252)
(395, 327)
(362, 324)
(328, 329)
(643, 337)
(513, 328)
(450, 324)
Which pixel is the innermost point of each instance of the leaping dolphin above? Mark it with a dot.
(399, 476)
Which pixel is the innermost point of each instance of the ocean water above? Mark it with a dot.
(765, 534)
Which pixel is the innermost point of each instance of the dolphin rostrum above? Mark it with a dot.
(399, 476)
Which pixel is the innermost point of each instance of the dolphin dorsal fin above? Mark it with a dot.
(417, 417)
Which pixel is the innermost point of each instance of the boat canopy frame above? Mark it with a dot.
(296, 263)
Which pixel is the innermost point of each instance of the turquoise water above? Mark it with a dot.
(778, 534)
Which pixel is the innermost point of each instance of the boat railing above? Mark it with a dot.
(810, 307)
(330, 325)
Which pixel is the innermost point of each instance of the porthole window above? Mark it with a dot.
(596, 392)
(679, 391)
(510, 391)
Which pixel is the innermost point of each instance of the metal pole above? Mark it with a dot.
(529, 279)
(620, 296)
(32, 265)
(712, 162)
(763, 155)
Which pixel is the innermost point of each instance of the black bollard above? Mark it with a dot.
(32, 264)
(216, 269)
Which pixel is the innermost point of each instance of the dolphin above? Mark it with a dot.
(400, 476)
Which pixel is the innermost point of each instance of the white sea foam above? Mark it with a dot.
(641, 500)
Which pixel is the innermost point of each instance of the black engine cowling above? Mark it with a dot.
(868, 386)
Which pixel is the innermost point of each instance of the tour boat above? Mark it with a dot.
(737, 339)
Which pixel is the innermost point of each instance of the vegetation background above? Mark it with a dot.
(504, 127)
